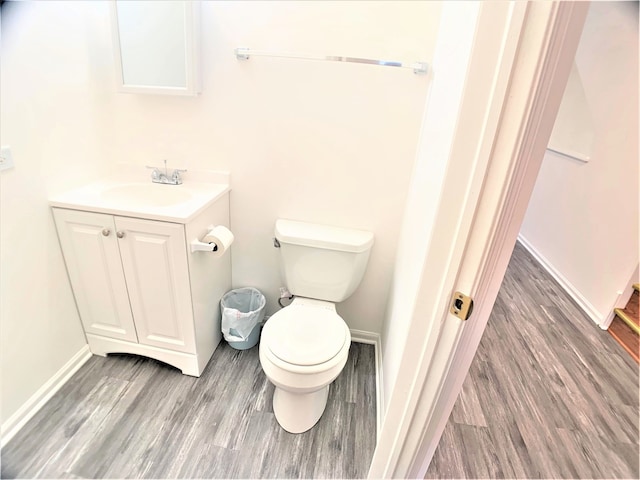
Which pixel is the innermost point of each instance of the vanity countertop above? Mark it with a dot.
(135, 197)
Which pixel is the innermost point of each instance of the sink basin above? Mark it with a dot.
(130, 194)
(147, 194)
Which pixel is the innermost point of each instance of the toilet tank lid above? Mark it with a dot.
(323, 236)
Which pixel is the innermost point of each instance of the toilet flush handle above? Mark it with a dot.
(276, 243)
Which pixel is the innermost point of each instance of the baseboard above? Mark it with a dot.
(371, 338)
(607, 321)
(16, 421)
(593, 313)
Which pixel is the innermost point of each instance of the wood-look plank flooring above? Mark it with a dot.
(131, 417)
(548, 395)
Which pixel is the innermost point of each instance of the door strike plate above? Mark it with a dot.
(461, 306)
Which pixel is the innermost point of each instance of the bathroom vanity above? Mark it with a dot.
(138, 286)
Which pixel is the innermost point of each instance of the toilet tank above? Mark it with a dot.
(320, 261)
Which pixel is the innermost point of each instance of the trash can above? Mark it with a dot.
(242, 315)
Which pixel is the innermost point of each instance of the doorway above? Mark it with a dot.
(548, 393)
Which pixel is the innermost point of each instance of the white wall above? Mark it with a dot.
(315, 141)
(53, 116)
(583, 217)
(437, 130)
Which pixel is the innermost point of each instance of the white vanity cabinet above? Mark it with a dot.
(140, 290)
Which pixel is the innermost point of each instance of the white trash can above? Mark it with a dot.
(242, 316)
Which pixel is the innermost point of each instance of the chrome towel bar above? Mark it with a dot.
(243, 53)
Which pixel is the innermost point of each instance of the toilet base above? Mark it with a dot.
(297, 413)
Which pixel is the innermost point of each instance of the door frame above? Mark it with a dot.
(504, 123)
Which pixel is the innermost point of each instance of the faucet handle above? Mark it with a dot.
(176, 177)
(155, 174)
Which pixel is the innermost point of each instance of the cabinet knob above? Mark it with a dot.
(106, 232)
(120, 234)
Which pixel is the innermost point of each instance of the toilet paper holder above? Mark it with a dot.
(206, 245)
(198, 246)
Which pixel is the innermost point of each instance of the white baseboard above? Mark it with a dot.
(16, 421)
(591, 311)
(371, 338)
(607, 321)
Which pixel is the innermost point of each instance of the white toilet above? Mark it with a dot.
(304, 346)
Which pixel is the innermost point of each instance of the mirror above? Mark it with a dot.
(156, 46)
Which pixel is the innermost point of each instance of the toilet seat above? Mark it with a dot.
(305, 335)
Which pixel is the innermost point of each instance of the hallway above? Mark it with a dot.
(548, 395)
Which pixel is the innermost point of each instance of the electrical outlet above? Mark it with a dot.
(6, 159)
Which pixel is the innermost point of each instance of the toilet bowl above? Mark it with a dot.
(305, 346)
(303, 349)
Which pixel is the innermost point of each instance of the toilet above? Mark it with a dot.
(304, 346)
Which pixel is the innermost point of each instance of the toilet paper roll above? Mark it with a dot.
(222, 237)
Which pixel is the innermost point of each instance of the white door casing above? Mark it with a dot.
(92, 257)
(493, 161)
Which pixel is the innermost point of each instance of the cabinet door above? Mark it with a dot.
(154, 258)
(92, 257)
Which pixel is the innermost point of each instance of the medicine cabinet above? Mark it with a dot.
(157, 46)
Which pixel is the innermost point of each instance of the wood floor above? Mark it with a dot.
(548, 395)
(131, 417)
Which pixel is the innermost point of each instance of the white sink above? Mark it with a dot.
(133, 196)
(147, 194)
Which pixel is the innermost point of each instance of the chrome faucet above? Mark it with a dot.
(158, 176)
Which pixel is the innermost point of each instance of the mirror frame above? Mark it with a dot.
(192, 55)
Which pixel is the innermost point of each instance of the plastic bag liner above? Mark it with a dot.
(242, 310)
